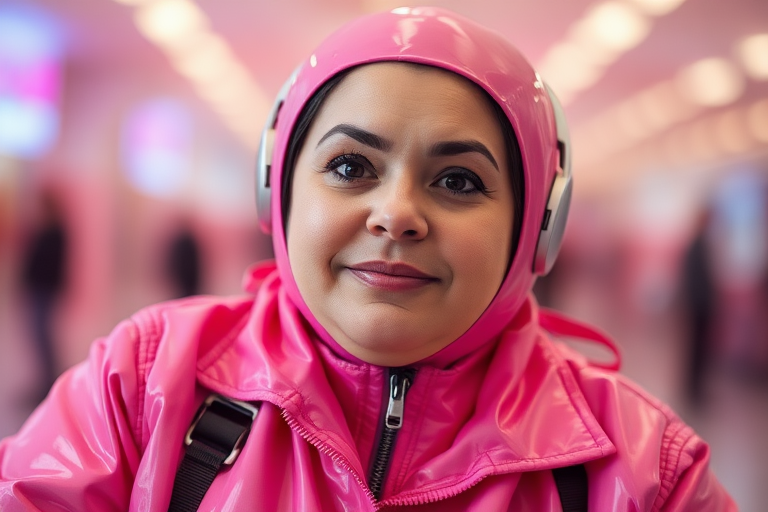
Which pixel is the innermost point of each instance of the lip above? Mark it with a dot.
(391, 276)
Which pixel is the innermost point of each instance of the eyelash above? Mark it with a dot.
(348, 158)
(356, 158)
(468, 175)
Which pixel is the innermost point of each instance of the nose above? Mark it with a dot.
(397, 213)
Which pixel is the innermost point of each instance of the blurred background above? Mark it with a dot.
(128, 133)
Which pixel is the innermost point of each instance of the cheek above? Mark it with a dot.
(316, 233)
(305, 231)
(482, 255)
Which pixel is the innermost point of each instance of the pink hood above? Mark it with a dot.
(438, 38)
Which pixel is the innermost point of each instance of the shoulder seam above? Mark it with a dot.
(146, 349)
(676, 436)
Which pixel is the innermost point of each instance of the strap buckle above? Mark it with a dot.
(222, 424)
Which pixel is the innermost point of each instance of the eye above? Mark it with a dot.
(349, 167)
(462, 182)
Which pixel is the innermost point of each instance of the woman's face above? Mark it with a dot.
(400, 224)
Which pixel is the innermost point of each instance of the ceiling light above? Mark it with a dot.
(206, 63)
(732, 133)
(593, 49)
(227, 94)
(658, 105)
(567, 67)
(631, 122)
(711, 82)
(168, 21)
(650, 111)
(673, 146)
(757, 119)
(614, 26)
(196, 42)
(753, 51)
(702, 141)
(658, 7)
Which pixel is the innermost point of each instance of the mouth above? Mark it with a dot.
(391, 276)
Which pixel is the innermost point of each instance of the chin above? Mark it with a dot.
(385, 358)
(388, 346)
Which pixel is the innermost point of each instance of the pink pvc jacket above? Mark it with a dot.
(484, 422)
(480, 435)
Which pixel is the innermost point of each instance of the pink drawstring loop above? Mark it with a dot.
(561, 325)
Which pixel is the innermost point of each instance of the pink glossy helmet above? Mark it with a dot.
(439, 38)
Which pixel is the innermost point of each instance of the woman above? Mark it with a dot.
(417, 169)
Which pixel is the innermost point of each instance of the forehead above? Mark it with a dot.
(389, 71)
(396, 88)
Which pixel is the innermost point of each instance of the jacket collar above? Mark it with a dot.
(521, 411)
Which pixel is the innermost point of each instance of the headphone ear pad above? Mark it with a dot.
(553, 227)
(264, 158)
(263, 189)
(556, 214)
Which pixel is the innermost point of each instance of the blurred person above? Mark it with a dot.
(183, 264)
(44, 281)
(740, 260)
(699, 293)
(393, 355)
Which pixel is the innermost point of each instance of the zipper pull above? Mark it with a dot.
(399, 381)
(398, 387)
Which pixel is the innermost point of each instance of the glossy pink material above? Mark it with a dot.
(438, 38)
(478, 437)
(485, 419)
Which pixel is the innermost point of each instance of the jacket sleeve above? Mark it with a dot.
(79, 449)
(687, 482)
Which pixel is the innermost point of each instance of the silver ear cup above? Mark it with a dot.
(556, 214)
(264, 158)
(551, 235)
(263, 189)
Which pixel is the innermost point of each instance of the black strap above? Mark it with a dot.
(222, 425)
(572, 486)
(214, 439)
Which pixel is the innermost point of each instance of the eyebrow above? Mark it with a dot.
(458, 147)
(447, 148)
(360, 135)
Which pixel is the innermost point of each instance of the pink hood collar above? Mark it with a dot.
(519, 388)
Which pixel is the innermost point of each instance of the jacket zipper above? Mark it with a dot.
(400, 380)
